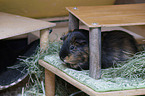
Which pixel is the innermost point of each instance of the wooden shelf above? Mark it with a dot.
(96, 17)
(14, 25)
(110, 15)
(87, 89)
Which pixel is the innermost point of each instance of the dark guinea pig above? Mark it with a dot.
(116, 46)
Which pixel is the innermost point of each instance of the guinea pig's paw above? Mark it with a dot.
(63, 63)
(67, 61)
(75, 66)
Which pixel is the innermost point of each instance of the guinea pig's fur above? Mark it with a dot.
(116, 46)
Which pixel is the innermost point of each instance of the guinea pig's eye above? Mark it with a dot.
(72, 47)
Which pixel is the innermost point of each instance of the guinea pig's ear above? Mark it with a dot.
(81, 42)
(63, 37)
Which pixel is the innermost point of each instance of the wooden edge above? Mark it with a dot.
(66, 77)
(27, 18)
(67, 8)
(49, 76)
(21, 34)
(73, 9)
(140, 30)
(55, 18)
(87, 89)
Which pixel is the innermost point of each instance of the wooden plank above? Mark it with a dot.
(140, 30)
(13, 25)
(87, 89)
(95, 52)
(73, 22)
(49, 76)
(66, 77)
(110, 15)
(49, 83)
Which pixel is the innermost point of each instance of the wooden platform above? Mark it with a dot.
(14, 25)
(96, 17)
(86, 89)
(111, 15)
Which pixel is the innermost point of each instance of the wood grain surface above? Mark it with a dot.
(110, 15)
(14, 25)
(87, 89)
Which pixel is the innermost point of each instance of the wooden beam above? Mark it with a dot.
(95, 52)
(73, 22)
(140, 30)
(49, 76)
(49, 83)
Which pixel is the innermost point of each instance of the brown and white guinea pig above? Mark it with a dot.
(116, 46)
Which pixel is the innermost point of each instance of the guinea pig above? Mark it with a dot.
(116, 46)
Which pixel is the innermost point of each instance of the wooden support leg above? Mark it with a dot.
(95, 52)
(49, 83)
(73, 22)
(44, 41)
(49, 76)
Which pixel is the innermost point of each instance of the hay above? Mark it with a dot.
(111, 80)
(35, 85)
(126, 75)
(131, 69)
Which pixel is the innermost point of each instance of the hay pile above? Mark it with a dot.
(35, 85)
(132, 69)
